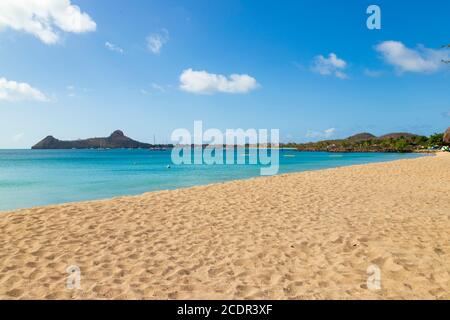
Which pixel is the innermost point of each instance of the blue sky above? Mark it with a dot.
(312, 69)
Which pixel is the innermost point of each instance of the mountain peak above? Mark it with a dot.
(361, 136)
(117, 133)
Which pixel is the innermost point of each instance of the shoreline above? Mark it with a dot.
(304, 235)
(423, 154)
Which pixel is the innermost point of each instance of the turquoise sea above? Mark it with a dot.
(31, 178)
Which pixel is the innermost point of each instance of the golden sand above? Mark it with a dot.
(309, 235)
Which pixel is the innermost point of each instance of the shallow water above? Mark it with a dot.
(31, 178)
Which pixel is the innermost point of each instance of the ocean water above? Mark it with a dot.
(31, 178)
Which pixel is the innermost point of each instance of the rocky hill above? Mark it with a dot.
(116, 140)
(361, 137)
(397, 135)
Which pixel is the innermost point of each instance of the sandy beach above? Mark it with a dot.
(309, 235)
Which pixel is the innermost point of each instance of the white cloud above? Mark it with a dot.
(202, 82)
(321, 134)
(71, 91)
(44, 19)
(405, 59)
(156, 41)
(113, 47)
(330, 132)
(15, 91)
(17, 137)
(155, 88)
(329, 66)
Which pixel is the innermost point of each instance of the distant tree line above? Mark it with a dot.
(407, 143)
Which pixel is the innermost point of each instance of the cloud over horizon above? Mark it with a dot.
(44, 19)
(419, 60)
(14, 91)
(321, 134)
(202, 82)
(329, 66)
(17, 137)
